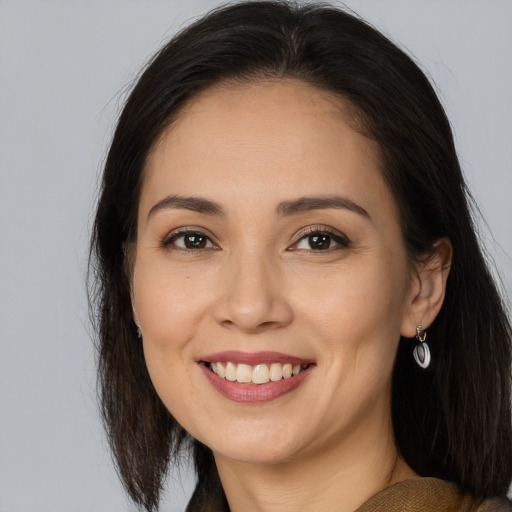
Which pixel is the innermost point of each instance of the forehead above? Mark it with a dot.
(276, 137)
(283, 100)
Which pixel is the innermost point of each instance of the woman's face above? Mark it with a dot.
(268, 242)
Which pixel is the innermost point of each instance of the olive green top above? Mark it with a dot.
(430, 495)
(413, 495)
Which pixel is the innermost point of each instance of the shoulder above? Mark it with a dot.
(430, 494)
(495, 505)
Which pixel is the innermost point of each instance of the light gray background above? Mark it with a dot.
(62, 67)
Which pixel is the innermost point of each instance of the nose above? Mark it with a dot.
(252, 297)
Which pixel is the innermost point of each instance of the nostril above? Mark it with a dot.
(251, 313)
(249, 329)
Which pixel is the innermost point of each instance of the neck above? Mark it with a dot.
(340, 477)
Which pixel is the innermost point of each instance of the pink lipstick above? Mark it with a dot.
(254, 377)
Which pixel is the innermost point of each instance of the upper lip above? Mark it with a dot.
(253, 358)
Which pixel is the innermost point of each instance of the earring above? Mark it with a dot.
(139, 333)
(421, 351)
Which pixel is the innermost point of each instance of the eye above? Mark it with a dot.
(189, 241)
(320, 240)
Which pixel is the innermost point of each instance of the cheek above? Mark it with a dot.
(168, 303)
(170, 308)
(355, 316)
(169, 311)
(366, 295)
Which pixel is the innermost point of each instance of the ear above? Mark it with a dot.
(428, 287)
(135, 316)
(128, 263)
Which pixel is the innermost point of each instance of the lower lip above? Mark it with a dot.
(254, 393)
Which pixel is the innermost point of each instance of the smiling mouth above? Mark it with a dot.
(255, 378)
(255, 374)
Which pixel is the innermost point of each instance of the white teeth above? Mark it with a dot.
(243, 373)
(230, 372)
(260, 374)
(257, 374)
(221, 371)
(276, 372)
(218, 369)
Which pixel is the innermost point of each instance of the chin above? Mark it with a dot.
(258, 447)
(255, 454)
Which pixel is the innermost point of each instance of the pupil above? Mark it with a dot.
(195, 241)
(318, 242)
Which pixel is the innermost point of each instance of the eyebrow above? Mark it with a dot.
(196, 204)
(284, 209)
(307, 204)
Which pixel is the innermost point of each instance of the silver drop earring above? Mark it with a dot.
(421, 351)
(139, 333)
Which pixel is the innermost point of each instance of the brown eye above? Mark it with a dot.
(195, 241)
(319, 242)
(189, 240)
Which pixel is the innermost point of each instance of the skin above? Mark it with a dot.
(258, 285)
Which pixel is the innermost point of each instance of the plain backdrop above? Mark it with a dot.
(64, 69)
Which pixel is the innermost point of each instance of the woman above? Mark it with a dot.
(288, 281)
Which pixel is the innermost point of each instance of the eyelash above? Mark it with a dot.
(175, 235)
(336, 236)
